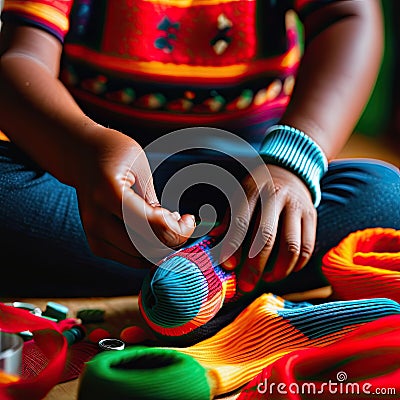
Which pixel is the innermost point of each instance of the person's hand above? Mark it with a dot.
(283, 202)
(118, 203)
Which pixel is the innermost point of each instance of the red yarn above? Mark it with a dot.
(53, 345)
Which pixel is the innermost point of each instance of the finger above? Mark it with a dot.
(141, 173)
(108, 251)
(262, 243)
(155, 224)
(156, 220)
(233, 261)
(111, 229)
(146, 188)
(308, 237)
(172, 232)
(220, 229)
(264, 235)
(250, 272)
(134, 224)
(289, 244)
(118, 235)
(242, 208)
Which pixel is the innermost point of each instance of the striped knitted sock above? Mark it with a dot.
(192, 284)
(267, 330)
(359, 366)
(271, 327)
(365, 264)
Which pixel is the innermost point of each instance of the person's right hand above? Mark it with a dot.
(116, 196)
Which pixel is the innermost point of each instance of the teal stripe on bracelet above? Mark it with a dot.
(293, 149)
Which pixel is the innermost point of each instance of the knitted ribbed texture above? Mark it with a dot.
(273, 338)
(365, 264)
(271, 327)
(361, 365)
(291, 148)
(267, 330)
(140, 373)
(185, 290)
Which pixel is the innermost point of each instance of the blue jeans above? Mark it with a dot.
(44, 251)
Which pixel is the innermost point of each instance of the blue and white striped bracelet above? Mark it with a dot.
(292, 149)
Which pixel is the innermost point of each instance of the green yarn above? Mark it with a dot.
(143, 373)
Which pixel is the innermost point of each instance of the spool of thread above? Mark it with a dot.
(75, 334)
(11, 346)
(185, 290)
(144, 373)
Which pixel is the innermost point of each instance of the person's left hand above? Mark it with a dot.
(283, 201)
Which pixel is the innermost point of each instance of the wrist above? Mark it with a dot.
(292, 149)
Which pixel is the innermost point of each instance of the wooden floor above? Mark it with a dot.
(123, 311)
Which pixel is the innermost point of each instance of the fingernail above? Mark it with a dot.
(268, 277)
(190, 222)
(176, 215)
(230, 263)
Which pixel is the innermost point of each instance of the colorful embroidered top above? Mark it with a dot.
(224, 63)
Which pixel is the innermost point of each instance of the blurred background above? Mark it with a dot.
(377, 133)
(378, 130)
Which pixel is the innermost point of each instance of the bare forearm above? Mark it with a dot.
(38, 113)
(337, 74)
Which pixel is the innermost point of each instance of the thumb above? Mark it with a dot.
(171, 228)
(144, 184)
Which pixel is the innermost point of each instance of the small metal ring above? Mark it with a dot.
(109, 344)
